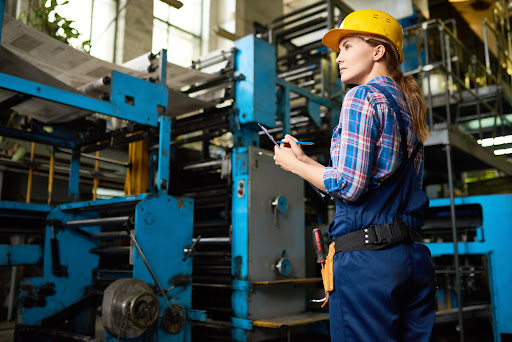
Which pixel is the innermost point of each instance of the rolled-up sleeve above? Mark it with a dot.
(352, 147)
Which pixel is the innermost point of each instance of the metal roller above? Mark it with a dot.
(97, 221)
(97, 88)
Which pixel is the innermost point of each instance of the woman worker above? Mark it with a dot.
(383, 282)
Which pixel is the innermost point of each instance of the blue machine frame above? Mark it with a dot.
(163, 224)
(260, 97)
(492, 241)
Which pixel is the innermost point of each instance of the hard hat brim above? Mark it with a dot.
(332, 39)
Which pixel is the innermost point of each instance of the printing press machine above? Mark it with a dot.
(215, 249)
(107, 257)
(187, 259)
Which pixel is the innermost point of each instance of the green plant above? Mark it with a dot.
(39, 16)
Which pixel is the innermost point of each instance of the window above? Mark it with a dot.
(178, 31)
(95, 21)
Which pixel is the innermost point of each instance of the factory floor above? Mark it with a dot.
(6, 331)
(473, 333)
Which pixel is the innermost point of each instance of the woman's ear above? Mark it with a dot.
(378, 52)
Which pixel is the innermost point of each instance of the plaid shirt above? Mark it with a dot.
(365, 145)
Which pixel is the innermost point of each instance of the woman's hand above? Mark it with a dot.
(285, 158)
(291, 143)
(290, 157)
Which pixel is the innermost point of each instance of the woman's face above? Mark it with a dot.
(355, 61)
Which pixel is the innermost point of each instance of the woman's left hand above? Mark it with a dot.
(285, 158)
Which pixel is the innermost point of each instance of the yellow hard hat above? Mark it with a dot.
(368, 21)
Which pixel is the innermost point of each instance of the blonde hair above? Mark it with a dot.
(409, 87)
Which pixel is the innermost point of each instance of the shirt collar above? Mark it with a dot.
(381, 79)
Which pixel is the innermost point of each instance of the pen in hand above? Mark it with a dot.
(282, 142)
(298, 142)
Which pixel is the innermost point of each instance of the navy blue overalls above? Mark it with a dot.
(386, 294)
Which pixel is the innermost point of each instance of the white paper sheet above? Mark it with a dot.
(77, 70)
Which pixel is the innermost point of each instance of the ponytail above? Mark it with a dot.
(409, 87)
(416, 102)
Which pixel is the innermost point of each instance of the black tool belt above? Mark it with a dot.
(377, 237)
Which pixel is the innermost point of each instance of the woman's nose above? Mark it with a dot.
(339, 59)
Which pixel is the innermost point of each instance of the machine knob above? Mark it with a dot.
(129, 308)
(284, 266)
(173, 321)
(143, 310)
(279, 204)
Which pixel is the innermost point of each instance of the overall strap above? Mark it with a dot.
(398, 112)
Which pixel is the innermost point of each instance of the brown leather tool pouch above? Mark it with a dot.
(327, 273)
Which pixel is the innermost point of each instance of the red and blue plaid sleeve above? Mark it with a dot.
(352, 147)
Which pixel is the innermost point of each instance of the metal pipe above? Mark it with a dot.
(297, 71)
(444, 28)
(96, 157)
(111, 235)
(303, 17)
(46, 139)
(198, 138)
(298, 76)
(98, 221)
(495, 112)
(111, 250)
(214, 240)
(330, 15)
(96, 177)
(2, 8)
(50, 176)
(13, 292)
(478, 111)
(458, 57)
(107, 274)
(455, 243)
(299, 51)
(291, 14)
(449, 67)
(427, 62)
(226, 286)
(30, 172)
(202, 165)
(36, 173)
(13, 289)
(498, 44)
(223, 57)
(141, 254)
(486, 47)
(425, 25)
(444, 60)
(509, 63)
(289, 34)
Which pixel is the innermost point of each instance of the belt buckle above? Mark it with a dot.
(383, 233)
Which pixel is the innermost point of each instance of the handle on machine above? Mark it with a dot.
(318, 244)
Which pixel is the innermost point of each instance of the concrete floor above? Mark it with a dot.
(6, 331)
(475, 333)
